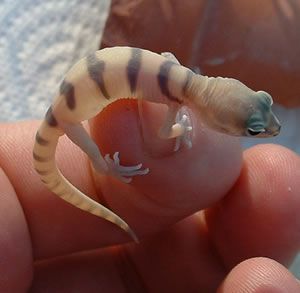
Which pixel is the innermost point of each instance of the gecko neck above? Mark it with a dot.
(198, 90)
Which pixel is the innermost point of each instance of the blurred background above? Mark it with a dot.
(255, 41)
(39, 42)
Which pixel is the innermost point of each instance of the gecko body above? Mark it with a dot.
(225, 105)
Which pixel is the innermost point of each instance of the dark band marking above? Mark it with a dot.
(55, 185)
(133, 68)
(39, 158)
(96, 69)
(78, 203)
(67, 89)
(64, 194)
(50, 118)
(72, 198)
(163, 79)
(91, 209)
(45, 181)
(43, 172)
(41, 140)
(188, 79)
(120, 223)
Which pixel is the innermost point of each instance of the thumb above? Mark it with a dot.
(179, 183)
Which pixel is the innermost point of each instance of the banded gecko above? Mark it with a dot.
(224, 104)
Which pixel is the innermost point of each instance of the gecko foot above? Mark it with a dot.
(183, 122)
(123, 173)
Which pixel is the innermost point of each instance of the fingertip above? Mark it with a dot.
(277, 162)
(179, 183)
(259, 216)
(259, 275)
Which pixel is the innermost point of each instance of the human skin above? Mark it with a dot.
(246, 232)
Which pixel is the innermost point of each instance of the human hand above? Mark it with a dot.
(251, 209)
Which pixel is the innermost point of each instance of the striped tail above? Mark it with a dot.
(44, 163)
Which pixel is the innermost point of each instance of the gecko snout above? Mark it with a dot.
(263, 125)
(274, 126)
(274, 131)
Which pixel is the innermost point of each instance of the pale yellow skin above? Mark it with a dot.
(225, 105)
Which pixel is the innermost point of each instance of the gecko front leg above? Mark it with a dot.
(177, 125)
(183, 121)
(104, 165)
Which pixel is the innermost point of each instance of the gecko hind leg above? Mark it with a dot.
(177, 125)
(124, 173)
(104, 165)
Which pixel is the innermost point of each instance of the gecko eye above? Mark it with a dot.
(252, 132)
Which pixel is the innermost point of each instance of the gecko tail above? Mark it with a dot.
(46, 141)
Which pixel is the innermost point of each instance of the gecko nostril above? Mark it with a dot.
(277, 131)
(278, 128)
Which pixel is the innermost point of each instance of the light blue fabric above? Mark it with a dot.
(39, 42)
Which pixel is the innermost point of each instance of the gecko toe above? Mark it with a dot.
(124, 173)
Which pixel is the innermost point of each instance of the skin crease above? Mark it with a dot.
(40, 233)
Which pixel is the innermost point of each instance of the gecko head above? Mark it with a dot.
(261, 120)
(234, 109)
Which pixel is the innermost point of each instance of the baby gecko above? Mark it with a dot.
(224, 104)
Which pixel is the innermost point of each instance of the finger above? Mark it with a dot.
(260, 215)
(15, 246)
(177, 186)
(259, 275)
(95, 271)
(51, 221)
(179, 260)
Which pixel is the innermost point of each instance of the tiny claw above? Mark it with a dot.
(184, 118)
(125, 180)
(129, 168)
(116, 158)
(188, 143)
(107, 158)
(140, 172)
(177, 144)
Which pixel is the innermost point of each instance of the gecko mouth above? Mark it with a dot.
(271, 132)
(264, 132)
(276, 131)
